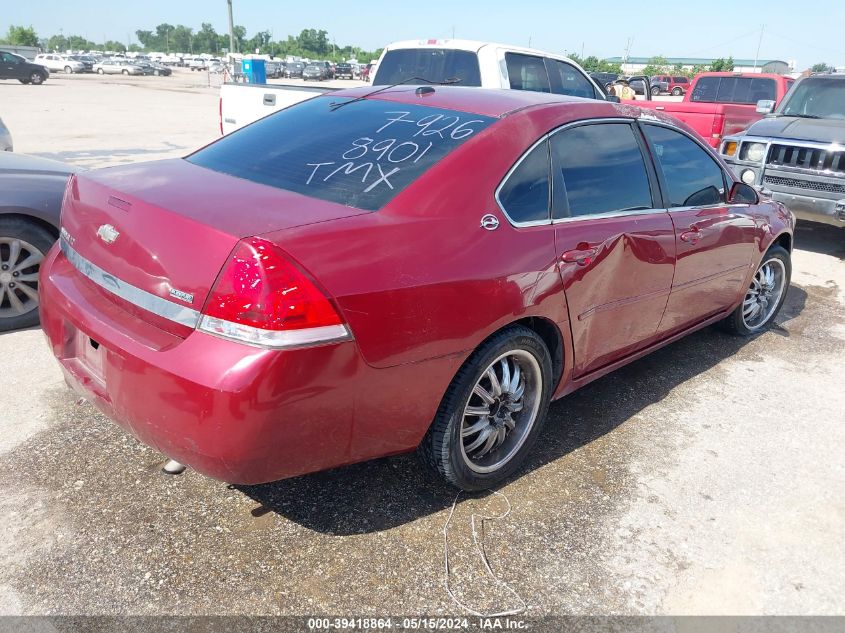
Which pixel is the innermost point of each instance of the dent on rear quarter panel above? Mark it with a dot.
(420, 278)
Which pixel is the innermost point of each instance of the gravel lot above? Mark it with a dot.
(705, 479)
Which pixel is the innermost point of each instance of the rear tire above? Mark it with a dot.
(28, 239)
(68, 70)
(655, 91)
(125, 72)
(100, 71)
(484, 428)
(764, 297)
(677, 92)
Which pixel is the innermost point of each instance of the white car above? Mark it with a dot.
(55, 62)
(117, 67)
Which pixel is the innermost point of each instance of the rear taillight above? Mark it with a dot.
(263, 299)
(220, 114)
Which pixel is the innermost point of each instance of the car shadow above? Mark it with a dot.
(820, 238)
(384, 493)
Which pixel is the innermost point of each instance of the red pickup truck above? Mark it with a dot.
(721, 104)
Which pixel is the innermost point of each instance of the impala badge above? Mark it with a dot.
(187, 297)
(107, 233)
(490, 222)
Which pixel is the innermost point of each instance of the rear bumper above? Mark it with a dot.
(233, 412)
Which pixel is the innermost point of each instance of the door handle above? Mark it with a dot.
(580, 256)
(692, 235)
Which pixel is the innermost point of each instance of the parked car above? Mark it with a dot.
(313, 71)
(344, 71)
(5, 138)
(364, 301)
(294, 70)
(14, 66)
(86, 61)
(796, 152)
(669, 84)
(274, 69)
(31, 192)
(721, 104)
(151, 68)
(117, 67)
(60, 63)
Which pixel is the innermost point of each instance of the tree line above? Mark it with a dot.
(169, 38)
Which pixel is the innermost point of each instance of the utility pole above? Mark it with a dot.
(759, 43)
(627, 51)
(231, 30)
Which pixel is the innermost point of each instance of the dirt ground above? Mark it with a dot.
(706, 478)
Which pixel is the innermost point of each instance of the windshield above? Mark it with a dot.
(361, 154)
(816, 98)
(435, 65)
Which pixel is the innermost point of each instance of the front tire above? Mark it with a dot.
(492, 412)
(23, 246)
(764, 297)
(125, 72)
(68, 70)
(655, 91)
(100, 71)
(36, 79)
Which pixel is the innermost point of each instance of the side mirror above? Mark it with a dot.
(742, 194)
(765, 106)
(614, 99)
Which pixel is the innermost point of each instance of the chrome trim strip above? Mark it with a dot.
(608, 214)
(141, 298)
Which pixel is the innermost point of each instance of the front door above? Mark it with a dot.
(616, 247)
(10, 66)
(715, 240)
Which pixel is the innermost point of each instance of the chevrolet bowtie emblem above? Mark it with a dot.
(107, 233)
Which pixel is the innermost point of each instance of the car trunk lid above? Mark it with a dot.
(154, 236)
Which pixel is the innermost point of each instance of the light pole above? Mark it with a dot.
(231, 29)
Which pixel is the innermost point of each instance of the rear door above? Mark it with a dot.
(615, 243)
(714, 240)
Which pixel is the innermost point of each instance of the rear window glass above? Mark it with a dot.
(745, 90)
(428, 65)
(361, 154)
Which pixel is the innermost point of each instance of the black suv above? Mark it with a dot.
(16, 67)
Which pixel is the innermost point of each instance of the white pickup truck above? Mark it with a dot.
(465, 62)
(241, 104)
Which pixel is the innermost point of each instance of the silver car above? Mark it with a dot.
(117, 67)
(5, 138)
(31, 191)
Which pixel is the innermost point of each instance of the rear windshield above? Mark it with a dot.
(361, 154)
(428, 65)
(746, 90)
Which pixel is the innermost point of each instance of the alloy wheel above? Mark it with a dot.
(763, 296)
(501, 411)
(19, 264)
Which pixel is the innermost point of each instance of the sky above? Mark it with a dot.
(805, 32)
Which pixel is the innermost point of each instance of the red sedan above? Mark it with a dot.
(417, 268)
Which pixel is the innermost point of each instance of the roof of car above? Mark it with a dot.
(483, 101)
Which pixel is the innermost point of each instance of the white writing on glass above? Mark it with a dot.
(367, 155)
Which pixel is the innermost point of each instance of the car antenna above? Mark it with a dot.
(334, 105)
